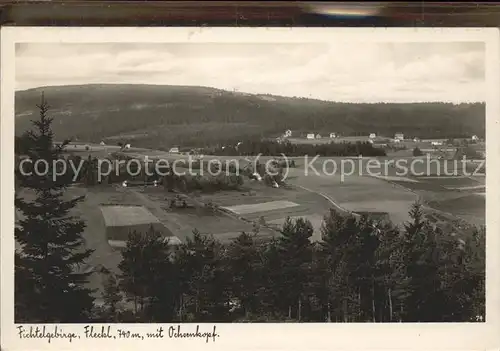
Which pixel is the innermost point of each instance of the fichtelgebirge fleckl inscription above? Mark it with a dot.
(50, 333)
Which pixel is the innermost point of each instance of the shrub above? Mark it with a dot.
(417, 152)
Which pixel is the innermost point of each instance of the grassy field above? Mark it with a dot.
(182, 221)
(451, 182)
(257, 197)
(457, 196)
(470, 207)
(359, 193)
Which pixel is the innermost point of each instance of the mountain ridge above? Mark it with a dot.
(169, 114)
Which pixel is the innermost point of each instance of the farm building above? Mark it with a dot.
(475, 138)
(288, 133)
(372, 136)
(333, 135)
(399, 136)
(102, 143)
(120, 221)
(318, 136)
(310, 136)
(174, 150)
(127, 146)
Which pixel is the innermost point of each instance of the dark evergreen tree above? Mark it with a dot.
(296, 254)
(338, 233)
(112, 297)
(392, 276)
(204, 280)
(421, 255)
(51, 244)
(245, 268)
(417, 152)
(475, 273)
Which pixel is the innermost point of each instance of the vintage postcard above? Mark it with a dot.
(250, 188)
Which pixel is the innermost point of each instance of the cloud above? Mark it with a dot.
(342, 71)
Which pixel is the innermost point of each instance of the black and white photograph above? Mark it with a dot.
(208, 182)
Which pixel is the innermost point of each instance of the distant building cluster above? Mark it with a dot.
(398, 137)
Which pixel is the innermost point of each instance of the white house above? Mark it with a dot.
(475, 138)
(416, 140)
(318, 136)
(288, 133)
(437, 143)
(333, 135)
(102, 143)
(310, 136)
(127, 146)
(174, 150)
(399, 136)
(372, 136)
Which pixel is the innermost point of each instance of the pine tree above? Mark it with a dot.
(145, 266)
(393, 277)
(475, 263)
(339, 234)
(273, 289)
(112, 297)
(52, 246)
(421, 255)
(245, 268)
(204, 279)
(296, 254)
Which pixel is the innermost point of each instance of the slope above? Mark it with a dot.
(159, 116)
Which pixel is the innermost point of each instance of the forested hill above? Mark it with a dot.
(156, 116)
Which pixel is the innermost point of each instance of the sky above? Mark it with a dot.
(343, 71)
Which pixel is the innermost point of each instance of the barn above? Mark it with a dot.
(120, 221)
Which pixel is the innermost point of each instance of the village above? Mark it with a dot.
(202, 204)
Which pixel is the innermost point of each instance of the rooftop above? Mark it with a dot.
(117, 216)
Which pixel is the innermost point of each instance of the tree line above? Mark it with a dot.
(265, 147)
(362, 270)
(201, 117)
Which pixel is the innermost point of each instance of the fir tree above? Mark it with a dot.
(205, 280)
(296, 253)
(51, 243)
(421, 262)
(144, 265)
(244, 264)
(112, 297)
(339, 232)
